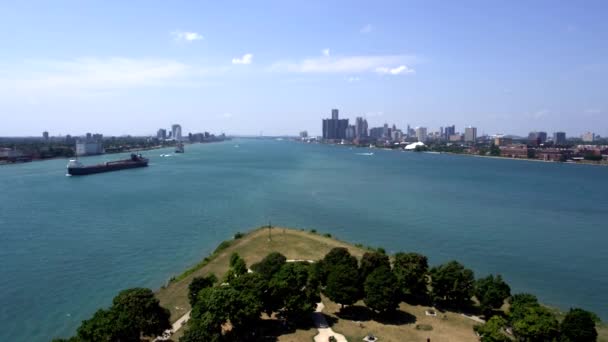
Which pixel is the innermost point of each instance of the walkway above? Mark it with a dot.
(175, 327)
(324, 330)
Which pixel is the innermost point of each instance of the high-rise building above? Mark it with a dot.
(537, 138)
(45, 135)
(588, 137)
(448, 131)
(334, 128)
(376, 132)
(176, 131)
(361, 128)
(559, 138)
(350, 133)
(161, 134)
(470, 134)
(421, 134)
(303, 134)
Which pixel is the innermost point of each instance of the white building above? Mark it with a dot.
(421, 133)
(88, 147)
(176, 132)
(470, 134)
(588, 137)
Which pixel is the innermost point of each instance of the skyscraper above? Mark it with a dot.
(45, 135)
(361, 128)
(161, 134)
(470, 134)
(176, 131)
(421, 134)
(334, 128)
(588, 137)
(559, 138)
(448, 131)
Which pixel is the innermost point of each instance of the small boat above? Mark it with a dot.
(75, 168)
(179, 148)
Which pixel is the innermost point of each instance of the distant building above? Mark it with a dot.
(514, 151)
(376, 132)
(588, 137)
(45, 135)
(502, 141)
(176, 131)
(334, 128)
(396, 135)
(470, 134)
(350, 133)
(537, 138)
(448, 132)
(455, 138)
(421, 134)
(361, 128)
(559, 138)
(88, 147)
(161, 134)
(304, 134)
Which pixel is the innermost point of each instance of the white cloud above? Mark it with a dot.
(353, 79)
(93, 74)
(345, 64)
(246, 59)
(325, 52)
(402, 69)
(186, 36)
(367, 28)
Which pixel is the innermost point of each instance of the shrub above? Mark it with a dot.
(238, 235)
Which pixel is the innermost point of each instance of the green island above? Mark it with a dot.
(383, 297)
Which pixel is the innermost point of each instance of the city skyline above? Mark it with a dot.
(277, 67)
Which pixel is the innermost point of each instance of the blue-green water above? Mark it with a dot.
(68, 244)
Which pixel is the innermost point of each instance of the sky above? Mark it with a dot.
(279, 67)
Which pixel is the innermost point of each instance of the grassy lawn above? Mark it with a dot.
(354, 322)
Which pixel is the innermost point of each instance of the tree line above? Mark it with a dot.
(231, 309)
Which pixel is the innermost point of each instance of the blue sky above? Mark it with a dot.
(278, 67)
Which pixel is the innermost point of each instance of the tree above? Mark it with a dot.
(381, 291)
(452, 283)
(134, 312)
(237, 267)
(343, 284)
(537, 324)
(199, 283)
(519, 304)
(491, 293)
(578, 325)
(370, 262)
(337, 256)
(293, 289)
(270, 265)
(411, 270)
(491, 331)
(494, 150)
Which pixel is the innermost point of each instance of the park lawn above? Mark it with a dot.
(252, 247)
(447, 326)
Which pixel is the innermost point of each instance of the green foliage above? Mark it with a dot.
(199, 283)
(295, 291)
(270, 265)
(537, 324)
(222, 246)
(327, 235)
(370, 262)
(491, 292)
(491, 331)
(452, 284)
(335, 257)
(578, 325)
(237, 267)
(519, 304)
(381, 291)
(314, 231)
(411, 270)
(238, 235)
(494, 150)
(343, 284)
(134, 312)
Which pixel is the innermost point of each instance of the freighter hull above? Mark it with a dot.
(134, 162)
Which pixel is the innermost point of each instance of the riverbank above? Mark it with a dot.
(308, 245)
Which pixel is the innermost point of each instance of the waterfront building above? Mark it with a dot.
(501, 140)
(334, 128)
(176, 131)
(448, 132)
(161, 134)
(376, 132)
(514, 151)
(88, 147)
(421, 134)
(588, 137)
(350, 133)
(304, 134)
(470, 134)
(537, 138)
(559, 138)
(45, 135)
(361, 128)
(455, 138)
(396, 135)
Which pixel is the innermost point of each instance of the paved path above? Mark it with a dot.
(324, 330)
(175, 327)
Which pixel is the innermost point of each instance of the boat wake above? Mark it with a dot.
(366, 154)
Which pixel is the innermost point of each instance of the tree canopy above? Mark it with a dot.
(197, 284)
(578, 325)
(343, 284)
(381, 291)
(452, 284)
(491, 331)
(270, 265)
(537, 324)
(491, 292)
(411, 270)
(370, 262)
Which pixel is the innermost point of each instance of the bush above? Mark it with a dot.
(327, 235)
(238, 235)
(222, 246)
(314, 231)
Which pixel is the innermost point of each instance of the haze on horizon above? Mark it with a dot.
(278, 67)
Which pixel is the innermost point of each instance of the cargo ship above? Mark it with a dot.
(75, 168)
